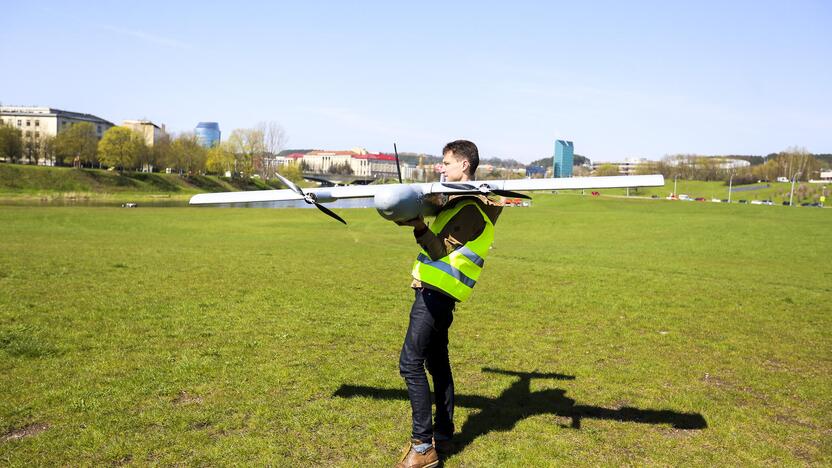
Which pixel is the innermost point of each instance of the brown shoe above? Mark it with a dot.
(410, 458)
(443, 447)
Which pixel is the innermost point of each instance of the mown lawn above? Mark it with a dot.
(603, 332)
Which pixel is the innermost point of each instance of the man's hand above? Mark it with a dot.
(417, 223)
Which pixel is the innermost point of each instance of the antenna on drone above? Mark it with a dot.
(398, 167)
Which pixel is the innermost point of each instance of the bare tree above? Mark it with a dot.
(274, 137)
(274, 141)
(797, 160)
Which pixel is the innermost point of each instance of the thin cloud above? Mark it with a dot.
(147, 37)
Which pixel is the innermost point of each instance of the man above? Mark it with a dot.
(454, 248)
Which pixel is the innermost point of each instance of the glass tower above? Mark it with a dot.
(563, 158)
(208, 134)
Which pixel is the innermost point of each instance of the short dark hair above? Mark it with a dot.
(467, 150)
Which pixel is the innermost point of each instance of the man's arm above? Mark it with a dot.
(467, 224)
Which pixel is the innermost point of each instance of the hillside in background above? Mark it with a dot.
(21, 179)
(577, 160)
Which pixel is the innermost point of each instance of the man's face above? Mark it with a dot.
(454, 168)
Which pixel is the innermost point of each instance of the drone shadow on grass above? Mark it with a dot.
(518, 402)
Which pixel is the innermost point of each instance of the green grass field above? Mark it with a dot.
(602, 332)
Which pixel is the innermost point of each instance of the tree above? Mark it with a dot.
(30, 148)
(78, 142)
(577, 160)
(46, 148)
(607, 170)
(120, 148)
(342, 169)
(649, 167)
(580, 171)
(219, 159)
(11, 143)
(160, 152)
(292, 172)
(274, 140)
(187, 155)
(274, 137)
(797, 160)
(248, 146)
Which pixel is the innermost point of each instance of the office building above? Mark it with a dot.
(208, 134)
(563, 158)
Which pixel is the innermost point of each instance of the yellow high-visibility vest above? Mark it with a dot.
(458, 272)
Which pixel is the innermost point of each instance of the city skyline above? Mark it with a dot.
(621, 81)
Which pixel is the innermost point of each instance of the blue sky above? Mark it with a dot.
(621, 80)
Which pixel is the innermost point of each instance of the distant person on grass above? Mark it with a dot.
(454, 248)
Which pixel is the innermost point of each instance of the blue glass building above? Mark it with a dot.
(208, 134)
(563, 158)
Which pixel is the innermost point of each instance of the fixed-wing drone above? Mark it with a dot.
(401, 202)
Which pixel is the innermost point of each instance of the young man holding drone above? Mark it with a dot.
(454, 248)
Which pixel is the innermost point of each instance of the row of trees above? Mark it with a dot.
(794, 162)
(245, 151)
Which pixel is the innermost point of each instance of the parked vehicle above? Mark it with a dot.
(700, 198)
(743, 201)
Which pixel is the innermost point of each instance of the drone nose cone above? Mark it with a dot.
(398, 203)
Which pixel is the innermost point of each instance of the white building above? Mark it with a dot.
(359, 160)
(36, 122)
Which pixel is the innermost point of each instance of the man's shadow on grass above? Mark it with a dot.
(518, 402)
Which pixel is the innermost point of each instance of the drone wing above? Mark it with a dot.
(509, 188)
(497, 187)
(322, 194)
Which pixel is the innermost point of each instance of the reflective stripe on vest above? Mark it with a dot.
(458, 272)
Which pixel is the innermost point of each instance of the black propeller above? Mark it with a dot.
(398, 167)
(485, 189)
(308, 197)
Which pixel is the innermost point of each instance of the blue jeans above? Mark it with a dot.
(426, 344)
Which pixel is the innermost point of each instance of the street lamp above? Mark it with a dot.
(791, 195)
(730, 184)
